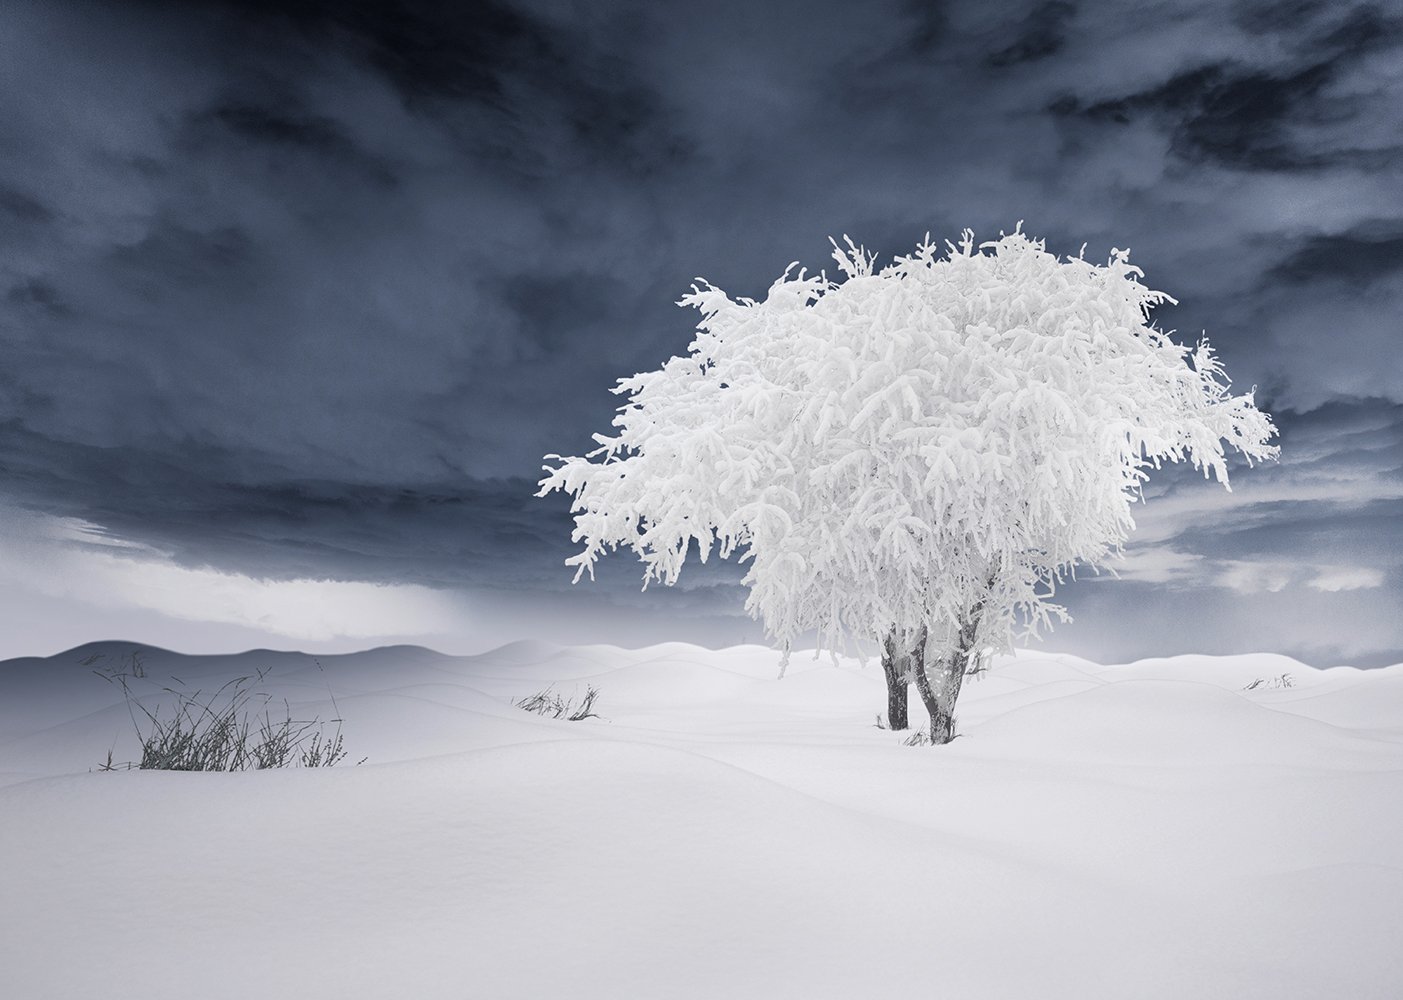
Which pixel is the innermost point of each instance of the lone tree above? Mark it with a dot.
(916, 455)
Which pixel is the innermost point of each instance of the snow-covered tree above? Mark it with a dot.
(915, 455)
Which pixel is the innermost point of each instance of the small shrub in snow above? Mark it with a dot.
(1270, 684)
(231, 729)
(556, 706)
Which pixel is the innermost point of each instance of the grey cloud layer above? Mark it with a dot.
(1304, 555)
(310, 287)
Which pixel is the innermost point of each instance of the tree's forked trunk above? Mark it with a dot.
(939, 683)
(939, 687)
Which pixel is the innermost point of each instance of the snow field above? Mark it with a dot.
(1150, 830)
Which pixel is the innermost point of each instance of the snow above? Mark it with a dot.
(1148, 830)
(921, 453)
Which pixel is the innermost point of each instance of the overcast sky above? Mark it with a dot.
(295, 296)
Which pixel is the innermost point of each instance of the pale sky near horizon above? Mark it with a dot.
(294, 296)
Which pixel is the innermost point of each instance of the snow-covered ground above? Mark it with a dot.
(1142, 831)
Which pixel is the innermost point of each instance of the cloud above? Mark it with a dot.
(1159, 564)
(1367, 252)
(1252, 577)
(1336, 578)
(1194, 571)
(1042, 34)
(300, 291)
(1308, 539)
(1325, 629)
(80, 564)
(1248, 106)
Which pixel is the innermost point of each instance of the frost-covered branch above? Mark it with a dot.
(940, 441)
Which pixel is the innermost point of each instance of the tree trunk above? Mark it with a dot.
(939, 686)
(896, 667)
(939, 683)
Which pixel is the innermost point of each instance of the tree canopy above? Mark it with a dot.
(930, 447)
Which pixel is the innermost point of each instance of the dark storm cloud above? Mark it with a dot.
(282, 525)
(428, 50)
(1360, 256)
(21, 208)
(37, 295)
(171, 253)
(456, 534)
(309, 287)
(1041, 34)
(1250, 116)
(265, 124)
(497, 57)
(1234, 117)
(1362, 29)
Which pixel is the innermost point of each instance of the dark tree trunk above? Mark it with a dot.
(939, 682)
(896, 667)
(939, 685)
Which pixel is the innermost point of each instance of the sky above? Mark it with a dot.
(295, 296)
